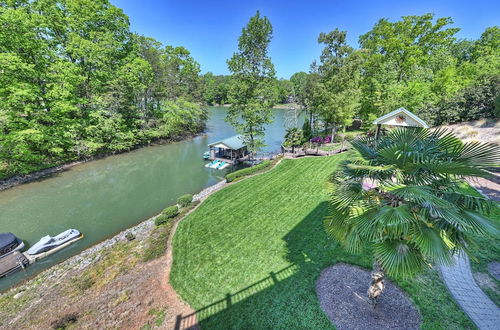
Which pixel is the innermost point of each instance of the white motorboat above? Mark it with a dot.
(48, 242)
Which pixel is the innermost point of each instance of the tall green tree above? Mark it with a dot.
(284, 90)
(252, 91)
(75, 82)
(215, 88)
(403, 200)
(340, 76)
(303, 85)
(398, 70)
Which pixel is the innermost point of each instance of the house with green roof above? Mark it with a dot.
(231, 150)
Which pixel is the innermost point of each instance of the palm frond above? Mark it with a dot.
(479, 224)
(398, 258)
(431, 243)
(470, 202)
(480, 154)
(363, 146)
(366, 170)
(417, 210)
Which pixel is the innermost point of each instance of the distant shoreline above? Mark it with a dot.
(277, 106)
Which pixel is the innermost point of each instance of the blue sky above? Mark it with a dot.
(210, 29)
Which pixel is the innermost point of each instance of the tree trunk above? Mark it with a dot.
(377, 284)
(343, 139)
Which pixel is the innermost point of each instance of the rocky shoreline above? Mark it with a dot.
(92, 254)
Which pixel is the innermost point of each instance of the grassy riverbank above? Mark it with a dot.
(250, 255)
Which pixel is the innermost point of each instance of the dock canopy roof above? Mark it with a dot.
(234, 143)
(401, 117)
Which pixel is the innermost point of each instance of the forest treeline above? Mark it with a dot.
(76, 82)
(416, 62)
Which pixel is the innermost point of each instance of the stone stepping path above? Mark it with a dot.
(475, 303)
(494, 269)
(458, 277)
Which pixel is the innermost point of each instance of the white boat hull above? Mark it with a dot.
(48, 243)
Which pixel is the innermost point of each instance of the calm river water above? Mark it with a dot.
(103, 197)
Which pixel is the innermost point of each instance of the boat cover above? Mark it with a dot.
(48, 242)
(8, 242)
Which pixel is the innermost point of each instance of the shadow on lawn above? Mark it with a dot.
(275, 301)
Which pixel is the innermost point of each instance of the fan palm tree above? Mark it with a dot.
(403, 199)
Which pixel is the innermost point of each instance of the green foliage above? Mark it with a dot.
(240, 174)
(167, 215)
(401, 58)
(157, 243)
(170, 212)
(185, 200)
(284, 91)
(76, 82)
(414, 62)
(299, 85)
(306, 130)
(402, 197)
(215, 89)
(338, 93)
(252, 91)
(294, 137)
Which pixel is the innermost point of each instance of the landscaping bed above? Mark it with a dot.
(341, 290)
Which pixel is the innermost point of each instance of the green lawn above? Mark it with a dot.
(250, 255)
(331, 146)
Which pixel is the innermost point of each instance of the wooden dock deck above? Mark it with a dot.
(12, 262)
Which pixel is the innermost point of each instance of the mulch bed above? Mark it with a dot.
(341, 291)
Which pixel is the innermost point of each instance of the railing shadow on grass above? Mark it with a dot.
(190, 321)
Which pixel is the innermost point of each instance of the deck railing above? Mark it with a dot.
(190, 321)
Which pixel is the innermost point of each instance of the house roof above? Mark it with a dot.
(390, 119)
(233, 142)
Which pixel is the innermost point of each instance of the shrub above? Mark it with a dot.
(157, 242)
(170, 212)
(355, 125)
(236, 175)
(161, 219)
(83, 282)
(185, 200)
(65, 321)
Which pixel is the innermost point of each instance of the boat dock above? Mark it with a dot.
(12, 262)
(16, 260)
